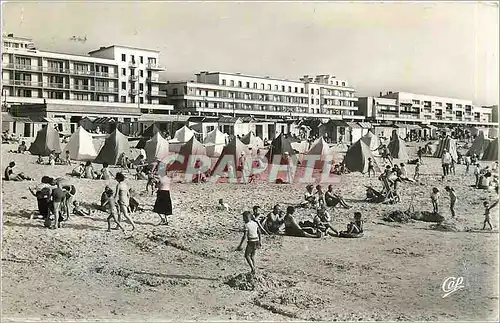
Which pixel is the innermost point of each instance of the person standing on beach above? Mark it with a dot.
(453, 199)
(163, 204)
(122, 194)
(435, 200)
(445, 163)
(370, 167)
(242, 165)
(417, 170)
(252, 233)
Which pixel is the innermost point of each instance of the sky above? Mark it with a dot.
(436, 48)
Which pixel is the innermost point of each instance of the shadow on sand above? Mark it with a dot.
(175, 276)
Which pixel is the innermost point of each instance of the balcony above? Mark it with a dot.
(79, 87)
(22, 67)
(82, 72)
(133, 78)
(56, 70)
(22, 83)
(103, 89)
(56, 86)
(106, 75)
(157, 93)
(154, 79)
(132, 64)
(135, 92)
(155, 67)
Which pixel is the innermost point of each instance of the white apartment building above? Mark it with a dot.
(117, 81)
(217, 93)
(425, 109)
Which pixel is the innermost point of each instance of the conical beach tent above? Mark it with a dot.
(491, 153)
(279, 146)
(321, 152)
(479, 145)
(81, 145)
(156, 148)
(397, 148)
(431, 147)
(184, 134)
(231, 154)
(115, 145)
(215, 137)
(372, 141)
(47, 139)
(188, 153)
(356, 158)
(450, 145)
(252, 141)
(148, 134)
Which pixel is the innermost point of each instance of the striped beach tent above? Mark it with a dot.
(448, 144)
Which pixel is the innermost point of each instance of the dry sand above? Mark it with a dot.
(394, 272)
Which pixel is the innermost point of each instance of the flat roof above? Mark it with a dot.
(121, 46)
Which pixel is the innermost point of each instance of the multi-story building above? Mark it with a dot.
(418, 108)
(217, 93)
(117, 81)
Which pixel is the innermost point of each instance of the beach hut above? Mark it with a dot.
(397, 147)
(114, 146)
(321, 151)
(356, 158)
(231, 154)
(491, 152)
(156, 148)
(449, 144)
(47, 139)
(372, 141)
(479, 145)
(81, 145)
(252, 141)
(279, 146)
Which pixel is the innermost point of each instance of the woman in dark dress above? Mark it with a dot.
(163, 204)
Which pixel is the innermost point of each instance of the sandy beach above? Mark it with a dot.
(190, 270)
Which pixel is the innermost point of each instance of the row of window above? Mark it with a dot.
(428, 104)
(151, 60)
(269, 87)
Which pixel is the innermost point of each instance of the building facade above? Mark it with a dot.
(116, 80)
(425, 109)
(217, 93)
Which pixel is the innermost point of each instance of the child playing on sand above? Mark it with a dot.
(110, 204)
(487, 218)
(453, 199)
(52, 158)
(68, 158)
(435, 199)
(252, 233)
(417, 170)
(222, 206)
(356, 226)
(79, 210)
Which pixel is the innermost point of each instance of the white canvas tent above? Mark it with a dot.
(81, 145)
(156, 148)
(183, 135)
(215, 137)
(252, 141)
(372, 141)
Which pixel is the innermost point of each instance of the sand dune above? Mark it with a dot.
(189, 270)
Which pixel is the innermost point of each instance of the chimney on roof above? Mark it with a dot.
(102, 47)
(10, 35)
(380, 94)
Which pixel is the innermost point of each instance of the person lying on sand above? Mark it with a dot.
(356, 226)
(110, 206)
(332, 199)
(252, 234)
(9, 174)
(292, 228)
(79, 210)
(274, 220)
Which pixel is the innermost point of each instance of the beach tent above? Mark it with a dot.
(156, 148)
(356, 158)
(183, 135)
(300, 146)
(191, 148)
(47, 139)
(493, 133)
(215, 137)
(148, 134)
(321, 150)
(397, 148)
(233, 149)
(372, 141)
(81, 145)
(479, 145)
(491, 153)
(115, 145)
(431, 147)
(252, 141)
(449, 144)
(279, 146)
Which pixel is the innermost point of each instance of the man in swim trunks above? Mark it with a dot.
(122, 195)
